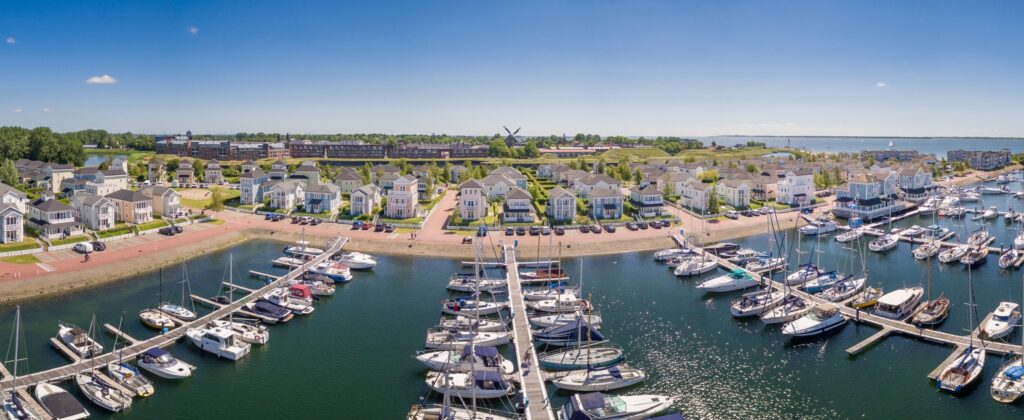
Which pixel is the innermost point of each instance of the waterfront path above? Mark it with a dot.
(531, 379)
(132, 350)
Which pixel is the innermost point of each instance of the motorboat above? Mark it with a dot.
(667, 254)
(792, 307)
(954, 253)
(927, 250)
(803, 274)
(466, 359)
(1018, 242)
(735, 280)
(59, 403)
(819, 320)
(103, 394)
(818, 227)
(484, 384)
(823, 282)
(899, 303)
(543, 274)
(177, 311)
(970, 197)
(551, 292)
(884, 243)
(1008, 385)
(336, 271)
(850, 235)
(955, 212)
(302, 250)
(993, 190)
(927, 209)
(963, 370)
(722, 249)
(569, 334)
(130, 378)
(462, 305)
(448, 412)
(156, 319)
(695, 266)
(161, 363)
(1008, 257)
(976, 256)
(561, 303)
(467, 322)
(762, 265)
(756, 303)
(603, 379)
(463, 283)
(913, 231)
(595, 405)
(317, 287)
(1010, 216)
(981, 237)
(546, 321)
(247, 332)
(573, 358)
(746, 255)
(934, 232)
(931, 312)
(269, 311)
(283, 297)
(288, 262)
(844, 289)
(1002, 179)
(1018, 194)
(78, 340)
(221, 342)
(1002, 321)
(990, 213)
(438, 338)
(867, 298)
(356, 260)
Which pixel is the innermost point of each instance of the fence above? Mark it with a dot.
(21, 252)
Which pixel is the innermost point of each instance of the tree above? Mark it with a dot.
(14, 143)
(498, 148)
(714, 203)
(669, 190)
(751, 168)
(8, 173)
(530, 150)
(638, 176)
(216, 200)
(105, 165)
(365, 172)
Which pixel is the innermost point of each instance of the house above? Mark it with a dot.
(307, 173)
(735, 193)
(348, 181)
(214, 173)
(868, 195)
(403, 198)
(12, 221)
(13, 197)
(248, 166)
(915, 184)
(675, 182)
(186, 174)
(99, 182)
(764, 188)
(322, 198)
(387, 181)
(648, 201)
(550, 170)
(93, 211)
(695, 195)
(378, 171)
(496, 186)
(561, 205)
(278, 171)
(455, 172)
(132, 206)
(364, 200)
(285, 194)
(584, 186)
(43, 175)
(250, 186)
(570, 176)
(605, 203)
(54, 219)
(513, 175)
(518, 206)
(797, 189)
(472, 200)
(166, 201)
(156, 171)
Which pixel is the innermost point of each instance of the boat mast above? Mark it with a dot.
(17, 336)
(231, 289)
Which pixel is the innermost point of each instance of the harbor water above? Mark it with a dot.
(352, 358)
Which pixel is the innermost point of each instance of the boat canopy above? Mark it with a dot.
(482, 351)
(896, 297)
(300, 290)
(591, 400)
(489, 379)
(1015, 372)
(156, 352)
(739, 272)
(571, 330)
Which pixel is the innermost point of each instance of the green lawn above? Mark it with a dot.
(118, 229)
(237, 203)
(69, 240)
(156, 224)
(639, 152)
(226, 195)
(21, 259)
(409, 221)
(19, 246)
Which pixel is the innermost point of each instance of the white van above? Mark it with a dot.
(83, 247)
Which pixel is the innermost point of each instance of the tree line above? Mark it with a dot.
(41, 144)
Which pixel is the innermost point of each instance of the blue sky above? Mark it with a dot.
(907, 68)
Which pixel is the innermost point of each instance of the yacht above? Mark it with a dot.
(467, 322)
(318, 287)
(581, 357)
(818, 227)
(1002, 322)
(302, 250)
(993, 190)
(792, 308)
(844, 289)
(1008, 257)
(932, 312)
(884, 243)
(270, 312)
(449, 412)
(899, 303)
(762, 265)
(976, 256)
(954, 253)
(218, 341)
(990, 213)
(1008, 385)
(569, 334)
(102, 393)
(283, 298)
(934, 232)
(954, 212)
(823, 282)
(867, 298)
(913, 231)
(466, 360)
(475, 307)
(696, 265)
(463, 283)
(545, 293)
(78, 340)
(596, 405)
(1018, 242)
(736, 280)
(963, 370)
(59, 403)
(288, 262)
(338, 272)
(746, 255)
(177, 311)
(561, 303)
(161, 363)
(819, 320)
(970, 197)
(485, 384)
(850, 235)
(668, 254)
(606, 379)
(156, 319)
(756, 303)
(927, 250)
(545, 321)
(438, 338)
(357, 260)
(249, 333)
(980, 237)
(130, 378)
(805, 273)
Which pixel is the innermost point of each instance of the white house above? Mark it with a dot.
(166, 201)
(285, 194)
(186, 174)
(214, 173)
(12, 224)
(797, 189)
(348, 181)
(93, 211)
(278, 170)
(513, 175)
(403, 198)
(496, 186)
(364, 200)
(518, 206)
(54, 219)
(132, 206)
(605, 203)
(915, 184)
(472, 201)
(156, 171)
(733, 192)
(307, 173)
(321, 198)
(584, 186)
(695, 195)
(250, 185)
(561, 205)
(868, 195)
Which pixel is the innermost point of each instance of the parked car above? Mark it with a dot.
(367, 226)
(268, 216)
(169, 231)
(99, 246)
(584, 228)
(595, 229)
(762, 211)
(295, 220)
(303, 220)
(378, 228)
(654, 224)
(545, 231)
(609, 228)
(357, 225)
(732, 214)
(83, 248)
(178, 229)
(534, 230)
(807, 210)
(520, 231)
(559, 231)
(747, 213)
(642, 225)
(278, 217)
(481, 232)
(632, 226)
(314, 221)
(388, 227)
(510, 231)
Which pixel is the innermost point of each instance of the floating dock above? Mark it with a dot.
(531, 378)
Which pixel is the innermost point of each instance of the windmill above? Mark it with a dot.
(511, 140)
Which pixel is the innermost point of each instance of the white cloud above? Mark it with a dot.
(11, 40)
(194, 30)
(46, 109)
(105, 79)
(16, 110)
(881, 85)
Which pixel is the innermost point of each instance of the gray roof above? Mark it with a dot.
(559, 191)
(114, 172)
(254, 173)
(517, 194)
(4, 189)
(368, 189)
(604, 192)
(324, 188)
(4, 207)
(88, 200)
(128, 195)
(471, 184)
(349, 176)
(646, 190)
(50, 205)
(155, 191)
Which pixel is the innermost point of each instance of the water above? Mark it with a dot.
(97, 159)
(352, 357)
(937, 146)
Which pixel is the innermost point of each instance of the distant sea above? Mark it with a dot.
(933, 145)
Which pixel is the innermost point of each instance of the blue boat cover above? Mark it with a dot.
(156, 352)
(570, 330)
(1015, 372)
(591, 400)
(482, 351)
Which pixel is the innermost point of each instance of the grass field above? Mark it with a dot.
(21, 259)
(727, 155)
(637, 152)
(118, 229)
(19, 246)
(69, 240)
(156, 224)
(226, 195)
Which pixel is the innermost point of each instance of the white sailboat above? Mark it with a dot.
(438, 338)
(792, 308)
(180, 311)
(967, 367)
(1008, 384)
(155, 318)
(596, 405)
(127, 375)
(101, 393)
(603, 379)
(470, 322)
(819, 320)
(252, 333)
(486, 384)
(756, 303)
(466, 360)
(12, 406)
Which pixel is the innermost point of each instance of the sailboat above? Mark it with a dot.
(600, 379)
(127, 375)
(154, 318)
(967, 367)
(932, 312)
(98, 390)
(595, 405)
(252, 333)
(179, 311)
(466, 359)
(11, 404)
(1008, 384)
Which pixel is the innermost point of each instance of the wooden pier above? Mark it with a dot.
(25, 397)
(120, 334)
(531, 378)
(868, 342)
(133, 350)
